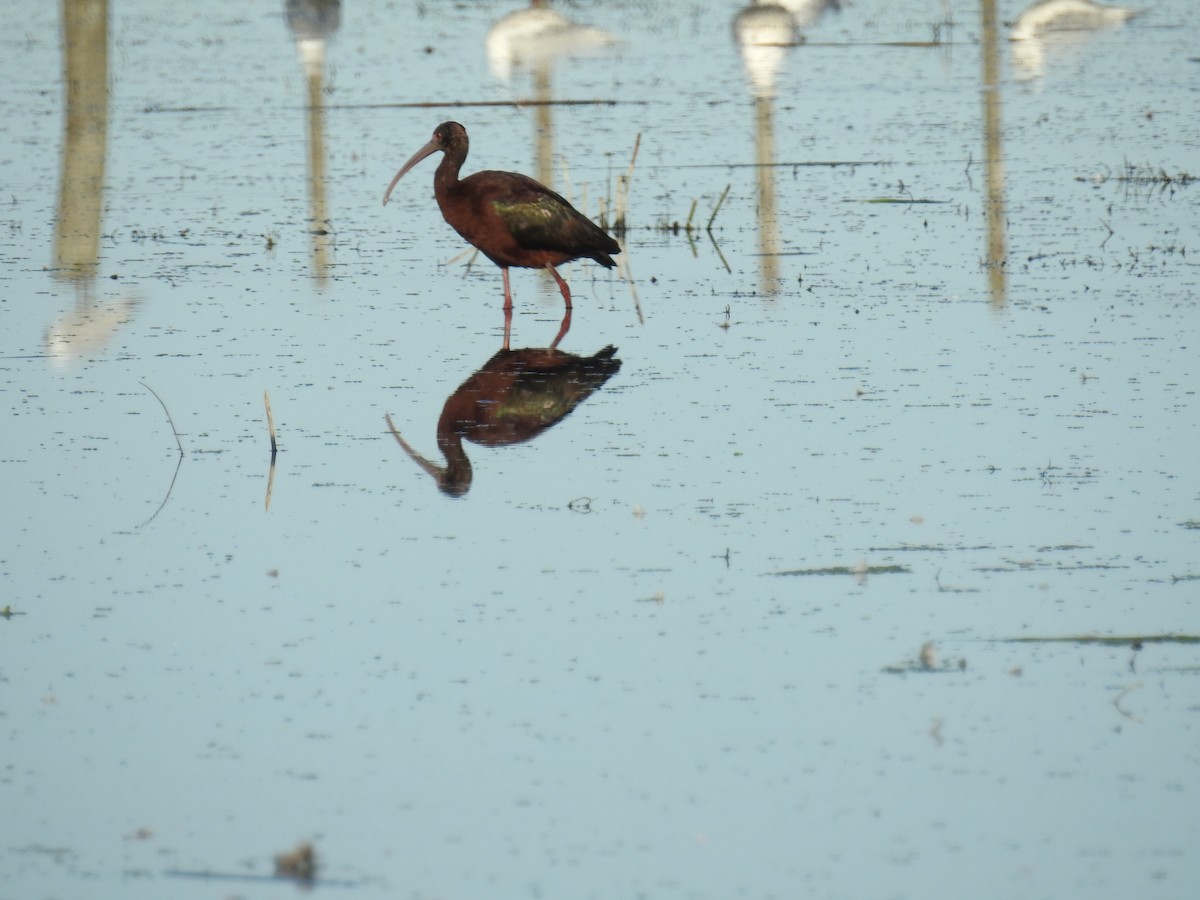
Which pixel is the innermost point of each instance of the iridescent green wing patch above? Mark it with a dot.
(541, 223)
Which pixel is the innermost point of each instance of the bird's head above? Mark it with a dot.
(449, 137)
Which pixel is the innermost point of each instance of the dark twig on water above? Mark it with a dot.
(270, 486)
(622, 200)
(270, 426)
(178, 444)
(179, 462)
(690, 230)
(274, 450)
(623, 266)
(713, 238)
(174, 430)
(1116, 702)
(687, 229)
(717, 209)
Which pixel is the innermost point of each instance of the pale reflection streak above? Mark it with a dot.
(1059, 28)
(996, 259)
(313, 23)
(765, 32)
(88, 327)
(85, 138)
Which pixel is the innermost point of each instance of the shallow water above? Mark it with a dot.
(673, 645)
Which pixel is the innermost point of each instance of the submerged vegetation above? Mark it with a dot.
(1143, 175)
(859, 570)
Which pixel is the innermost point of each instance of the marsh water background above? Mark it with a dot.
(930, 381)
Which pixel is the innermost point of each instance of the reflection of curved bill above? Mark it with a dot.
(764, 32)
(531, 36)
(514, 397)
(86, 329)
(1048, 16)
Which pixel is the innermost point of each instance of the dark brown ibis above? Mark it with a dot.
(512, 219)
(514, 397)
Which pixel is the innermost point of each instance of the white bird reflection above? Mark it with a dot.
(1057, 29)
(807, 12)
(528, 37)
(85, 330)
(765, 32)
(313, 24)
(1047, 16)
(767, 29)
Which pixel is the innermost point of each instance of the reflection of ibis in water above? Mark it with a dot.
(516, 396)
(512, 219)
(1067, 15)
(536, 35)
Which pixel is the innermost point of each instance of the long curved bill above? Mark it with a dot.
(429, 148)
(430, 468)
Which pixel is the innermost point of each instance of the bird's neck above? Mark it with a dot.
(456, 477)
(446, 177)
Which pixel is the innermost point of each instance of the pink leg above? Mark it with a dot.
(562, 286)
(507, 292)
(507, 326)
(562, 329)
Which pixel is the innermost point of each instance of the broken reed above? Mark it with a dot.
(274, 450)
(623, 189)
(1153, 175)
(621, 200)
(687, 227)
(1142, 176)
(270, 425)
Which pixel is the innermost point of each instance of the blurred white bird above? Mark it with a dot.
(1067, 15)
(530, 36)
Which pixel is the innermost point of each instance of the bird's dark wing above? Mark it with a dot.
(540, 219)
(540, 223)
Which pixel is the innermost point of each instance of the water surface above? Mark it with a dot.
(928, 382)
